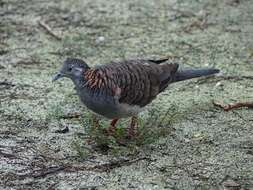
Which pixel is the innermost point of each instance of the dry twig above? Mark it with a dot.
(6, 83)
(41, 173)
(71, 115)
(51, 170)
(106, 166)
(49, 30)
(231, 106)
(7, 155)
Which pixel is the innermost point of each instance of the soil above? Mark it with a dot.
(192, 144)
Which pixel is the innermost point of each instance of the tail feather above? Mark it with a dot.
(193, 73)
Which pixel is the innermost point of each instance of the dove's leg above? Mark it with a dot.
(112, 127)
(132, 127)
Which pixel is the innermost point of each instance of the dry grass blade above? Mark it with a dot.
(49, 30)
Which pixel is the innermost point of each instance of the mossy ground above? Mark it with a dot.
(188, 142)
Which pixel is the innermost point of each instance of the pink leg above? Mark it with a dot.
(112, 127)
(113, 122)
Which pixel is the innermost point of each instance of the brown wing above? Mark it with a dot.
(137, 82)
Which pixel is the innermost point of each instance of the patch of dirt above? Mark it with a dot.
(189, 143)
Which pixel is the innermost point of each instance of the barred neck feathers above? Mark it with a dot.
(98, 79)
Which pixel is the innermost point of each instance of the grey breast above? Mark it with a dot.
(99, 102)
(107, 105)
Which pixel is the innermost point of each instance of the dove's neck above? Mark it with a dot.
(79, 81)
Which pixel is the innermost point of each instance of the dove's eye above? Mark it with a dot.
(70, 69)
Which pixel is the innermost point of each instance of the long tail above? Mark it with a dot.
(193, 73)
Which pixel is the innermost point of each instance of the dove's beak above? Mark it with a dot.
(57, 76)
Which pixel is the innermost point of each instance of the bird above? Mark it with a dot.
(122, 89)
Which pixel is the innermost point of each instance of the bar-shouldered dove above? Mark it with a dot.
(122, 89)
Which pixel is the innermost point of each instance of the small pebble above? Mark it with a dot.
(218, 84)
(100, 39)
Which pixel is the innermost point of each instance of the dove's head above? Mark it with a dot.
(72, 68)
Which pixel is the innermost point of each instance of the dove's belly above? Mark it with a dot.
(108, 106)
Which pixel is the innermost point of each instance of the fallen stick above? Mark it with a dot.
(106, 166)
(52, 170)
(231, 106)
(6, 83)
(41, 173)
(49, 30)
(71, 115)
